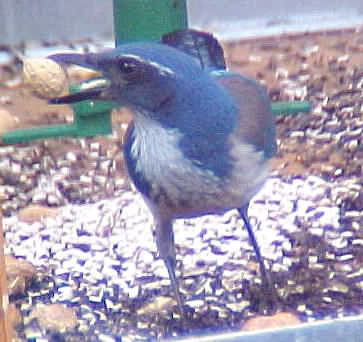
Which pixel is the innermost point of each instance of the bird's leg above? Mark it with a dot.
(266, 281)
(166, 248)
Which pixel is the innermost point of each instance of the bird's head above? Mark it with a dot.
(143, 75)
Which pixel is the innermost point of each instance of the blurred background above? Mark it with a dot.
(64, 20)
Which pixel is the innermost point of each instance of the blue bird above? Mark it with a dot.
(201, 136)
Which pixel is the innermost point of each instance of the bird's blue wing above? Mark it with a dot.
(256, 124)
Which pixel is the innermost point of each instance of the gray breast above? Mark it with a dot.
(179, 188)
(177, 184)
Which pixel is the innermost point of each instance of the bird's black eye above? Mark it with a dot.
(127, 66)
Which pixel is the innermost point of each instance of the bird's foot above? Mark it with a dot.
(269, 298)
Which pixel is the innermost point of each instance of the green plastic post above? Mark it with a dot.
(293, 107)
(136, 20)
(90, 118)
(24, 135)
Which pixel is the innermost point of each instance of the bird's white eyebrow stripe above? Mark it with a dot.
(163, 70)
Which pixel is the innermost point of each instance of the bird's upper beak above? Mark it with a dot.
(93, 89)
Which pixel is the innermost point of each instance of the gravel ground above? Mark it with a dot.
(98, 254)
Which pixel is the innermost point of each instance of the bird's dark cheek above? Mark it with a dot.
(151, 99)
(162, 97)
(118, 93)
(163, 101)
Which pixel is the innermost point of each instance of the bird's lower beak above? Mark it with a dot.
(93, 89)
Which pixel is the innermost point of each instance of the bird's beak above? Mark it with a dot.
(93, 89)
